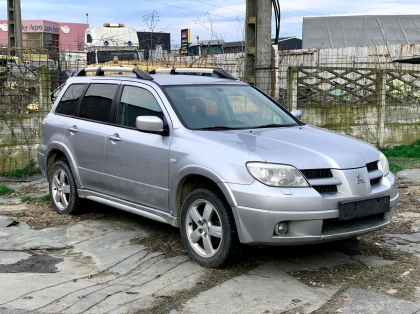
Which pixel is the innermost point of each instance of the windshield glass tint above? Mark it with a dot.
(229, 106)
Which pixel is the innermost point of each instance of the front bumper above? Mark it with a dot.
(311, 218)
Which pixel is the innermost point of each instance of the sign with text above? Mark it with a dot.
(50, 28)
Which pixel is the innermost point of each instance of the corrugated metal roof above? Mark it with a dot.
(364, 30)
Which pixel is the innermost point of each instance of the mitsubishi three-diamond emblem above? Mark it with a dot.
(359, 179)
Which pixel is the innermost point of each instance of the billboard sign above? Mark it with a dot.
(185, 40)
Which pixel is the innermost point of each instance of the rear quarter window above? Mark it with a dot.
(68, 103)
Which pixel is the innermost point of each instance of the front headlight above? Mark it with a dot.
(276, 174)
(384, 163)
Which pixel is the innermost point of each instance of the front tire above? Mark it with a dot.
(63, 189)
(208, 228)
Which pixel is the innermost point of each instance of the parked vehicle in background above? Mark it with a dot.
(111, 42)
(8, 61)
(213, 156)
(207, 47)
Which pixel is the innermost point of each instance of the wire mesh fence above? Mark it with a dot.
(371, 99)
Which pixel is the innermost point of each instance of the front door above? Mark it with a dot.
(136, 162)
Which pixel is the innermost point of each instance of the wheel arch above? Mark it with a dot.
(57, 152)
(189, 178)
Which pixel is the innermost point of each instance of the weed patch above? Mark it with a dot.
(28, 198)
(6, 190)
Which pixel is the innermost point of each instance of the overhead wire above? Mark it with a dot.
(225, 17)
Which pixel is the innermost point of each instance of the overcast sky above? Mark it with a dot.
(174, 15)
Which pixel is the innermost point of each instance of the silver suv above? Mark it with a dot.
(216, 157)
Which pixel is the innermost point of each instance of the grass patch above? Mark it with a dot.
(403, 157)
(28, 198)
(394, 167)
(403, 151)
(20, 172)
(5, 190)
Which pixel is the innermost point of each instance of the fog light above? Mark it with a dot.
(281, 228)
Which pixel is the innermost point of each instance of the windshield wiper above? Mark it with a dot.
(217, 127)
(273, 125)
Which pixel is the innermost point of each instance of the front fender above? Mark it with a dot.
(184, 172)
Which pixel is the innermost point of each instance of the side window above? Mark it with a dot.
(97, 102)
(68, 102)
(136, 101)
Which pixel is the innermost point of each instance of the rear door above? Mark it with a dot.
(136, 162)
(86, 132)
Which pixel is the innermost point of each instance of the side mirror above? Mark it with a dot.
(150, 124)
(297, 114)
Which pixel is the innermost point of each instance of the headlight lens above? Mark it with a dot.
(384, 163)
(276, 174)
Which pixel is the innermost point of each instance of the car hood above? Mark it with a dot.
(305, 147)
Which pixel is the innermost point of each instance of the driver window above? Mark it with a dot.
(136, 101)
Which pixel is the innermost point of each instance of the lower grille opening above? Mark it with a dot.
(332, 226)
(375, 181)
(325, 189)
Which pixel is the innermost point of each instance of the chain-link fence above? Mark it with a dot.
(371, 99)
(25, 89)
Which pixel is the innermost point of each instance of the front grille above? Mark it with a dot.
(372, 166)
(311, 174)
(326, 189)
(317, 173)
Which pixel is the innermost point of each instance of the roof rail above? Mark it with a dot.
(100, 71)
(217, 71)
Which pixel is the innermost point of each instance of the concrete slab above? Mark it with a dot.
(373, 261)
(7, 258)
(313, 261)
(411, 174)
(263, 290)
(359, 301)
(405, 242)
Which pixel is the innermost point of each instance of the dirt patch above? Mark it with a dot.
(30, 189)
(41, 215)
(161, 238)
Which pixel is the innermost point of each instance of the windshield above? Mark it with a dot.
(123, 55)
(221, 107)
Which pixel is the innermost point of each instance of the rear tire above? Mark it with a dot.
(63, 189)
(208, 228)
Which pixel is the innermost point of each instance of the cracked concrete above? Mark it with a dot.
(86, 267)
(261, 290)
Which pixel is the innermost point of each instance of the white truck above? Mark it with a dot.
(111, 42)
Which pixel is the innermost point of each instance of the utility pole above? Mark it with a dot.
(14, 20)
(258, 44)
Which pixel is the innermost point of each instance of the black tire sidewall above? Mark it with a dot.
(73, 199)
(229, 244)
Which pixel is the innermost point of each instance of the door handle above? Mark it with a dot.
(115, 137)
(73, 129)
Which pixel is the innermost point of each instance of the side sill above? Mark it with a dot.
(130, 207)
